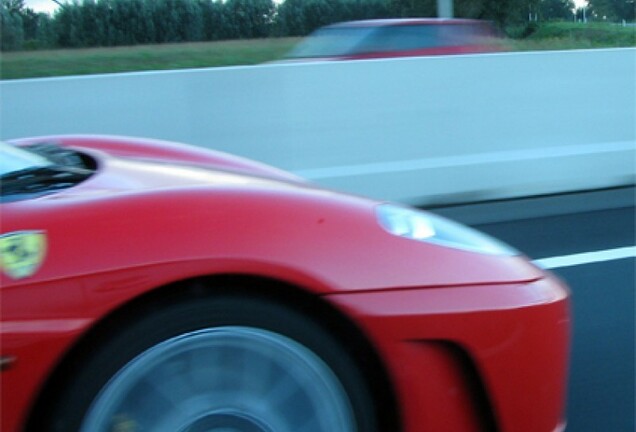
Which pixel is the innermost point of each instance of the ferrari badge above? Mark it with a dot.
(22, 253)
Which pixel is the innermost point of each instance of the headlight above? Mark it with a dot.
(416, 225)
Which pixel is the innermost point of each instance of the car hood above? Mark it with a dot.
(116, 175)
(107, 149)
(218, 214)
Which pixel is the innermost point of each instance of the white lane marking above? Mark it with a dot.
(587, 258)
(505, 156)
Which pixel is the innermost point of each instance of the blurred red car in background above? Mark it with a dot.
(400, 37)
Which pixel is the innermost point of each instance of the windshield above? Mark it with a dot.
(14, 159)
(40, 169)
(331, 42)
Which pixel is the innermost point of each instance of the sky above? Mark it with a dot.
(49, 6)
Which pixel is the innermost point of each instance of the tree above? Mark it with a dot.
(214, 20)
(250, 18)
(556, 9)
(502, 12)
(290, 18)
(13, 6)
(12, 31)
(366, 9)
(191, 21)
(414, 8)
(92, 23)
(23, 28)
(613, 10)
(45, 34)
(68, 26)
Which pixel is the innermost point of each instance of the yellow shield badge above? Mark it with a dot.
(22, 253)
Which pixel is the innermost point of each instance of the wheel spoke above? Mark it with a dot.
(229, 375)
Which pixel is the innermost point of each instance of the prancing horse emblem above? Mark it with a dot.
(22, 253)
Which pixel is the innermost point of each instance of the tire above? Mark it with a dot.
(219, 364)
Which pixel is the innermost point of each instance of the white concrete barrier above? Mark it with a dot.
(421, 130)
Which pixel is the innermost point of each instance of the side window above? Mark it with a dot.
(455, 35)
(467, 34)
(419, 37)
(401, 38)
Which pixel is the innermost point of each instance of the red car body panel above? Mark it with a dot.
(504, 336)
(156, 213)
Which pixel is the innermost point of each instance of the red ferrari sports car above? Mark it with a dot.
(152, 286)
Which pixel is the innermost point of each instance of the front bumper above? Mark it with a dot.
(475, 357)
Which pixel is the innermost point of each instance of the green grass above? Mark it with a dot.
(570, 35)
(30, 64)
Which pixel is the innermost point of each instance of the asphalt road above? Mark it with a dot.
(602, 380)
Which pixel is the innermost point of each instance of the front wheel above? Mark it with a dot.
(228, 364)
